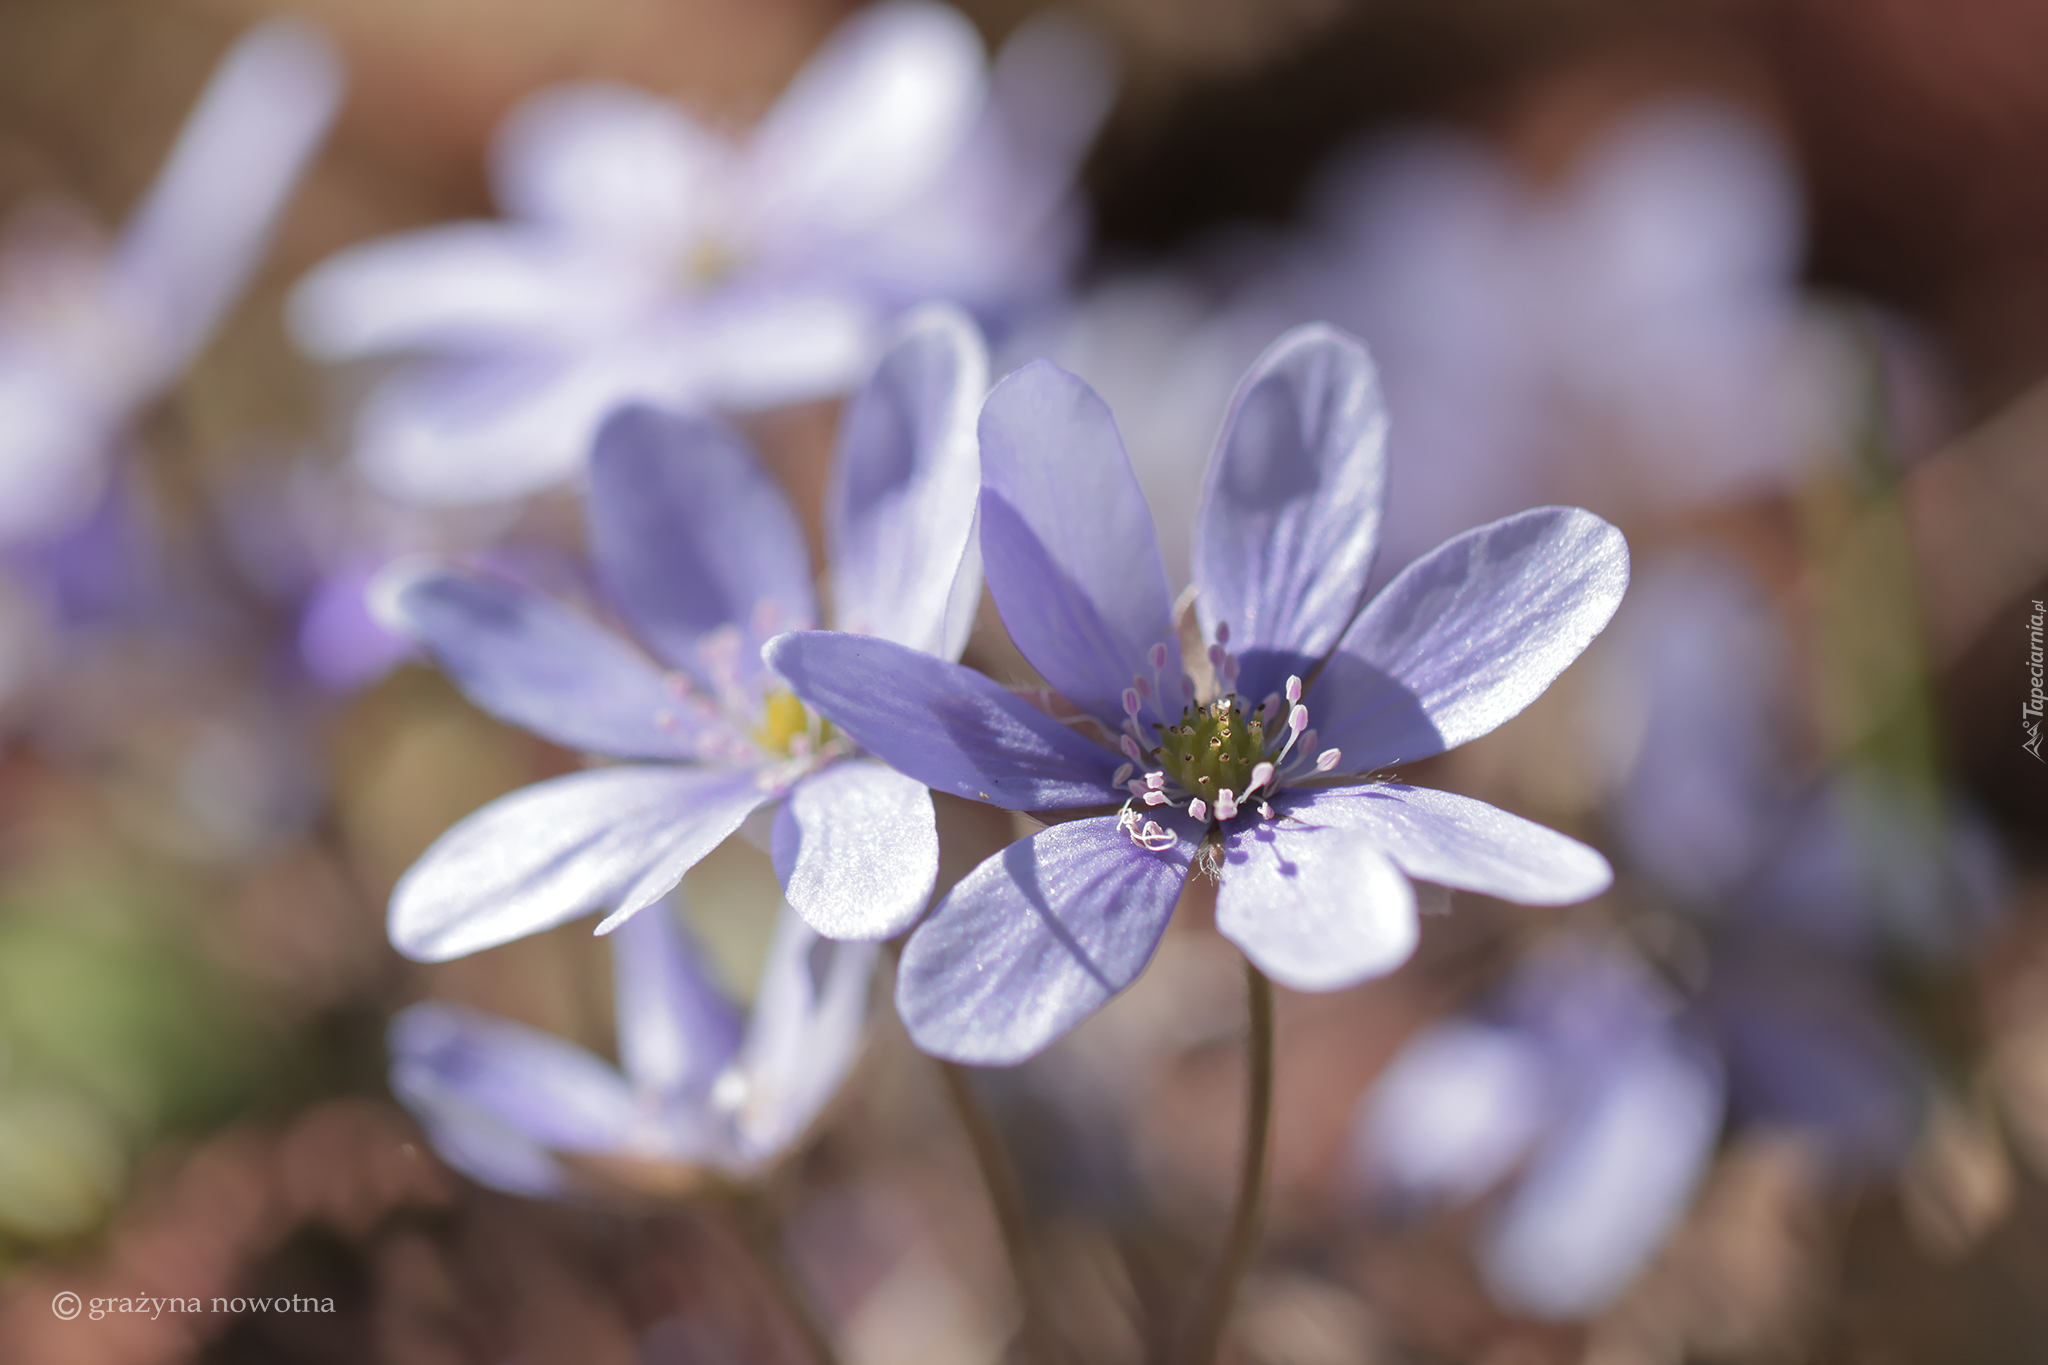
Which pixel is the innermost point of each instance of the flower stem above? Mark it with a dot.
(1204, 1336)
(757, 1230)
(1007, 1199)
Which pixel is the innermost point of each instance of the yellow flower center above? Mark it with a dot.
(783, 720)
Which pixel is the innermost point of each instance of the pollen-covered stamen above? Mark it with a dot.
(1148, 835)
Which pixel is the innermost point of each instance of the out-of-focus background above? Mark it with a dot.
(1765, 282)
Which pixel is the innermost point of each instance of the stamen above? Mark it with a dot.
(1157, 656)
(1132, 701)
(1155, 797)
(1262, 775)
(1265, 811)
(1223, 632)
(1155, 780)
(1143, 685)
(1132, 751)
(1123, 775)
(1328, 759)
(1155, 838)
(1198, 808)
(1187, 686)
(1293, 690)
(1226, 805)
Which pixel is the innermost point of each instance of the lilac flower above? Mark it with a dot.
(696, 1084)
(1802, 888)
(646, 256)
(1584, 1089)
(1629, 335)
(702, 556)
(88, 334)
(1314, 855)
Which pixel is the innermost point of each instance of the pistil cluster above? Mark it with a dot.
(1217, 760)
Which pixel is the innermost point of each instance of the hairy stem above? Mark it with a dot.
(1007, 1199)
(1204, 1336)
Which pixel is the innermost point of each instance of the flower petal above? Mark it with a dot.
(692, 537)
(1039, 937)
(857, 849)
(676, 1029)
(947, 726)
(1291, 506)
(1314, 907)
(561, 848)
(200, 233)
(544, 1087)
(494, 1096)
(865, 125)
(1602, 1195)
(538, 665)
(1468, 635)
(1454, 1111)
(454, 432)
(461, 287)
(613, 163)
(1452, 840)
(803, 1038)
(1067, 542)
(906, 478)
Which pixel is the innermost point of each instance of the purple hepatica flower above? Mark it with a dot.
(88, 334)
(695, 1085)
(648, 257)
(1314, 855)
(1803, 886)
(1583, 1094)
(701, 554)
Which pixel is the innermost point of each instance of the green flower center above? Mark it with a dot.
(1213, 749)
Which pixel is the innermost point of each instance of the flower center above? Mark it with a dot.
(788, 728)
(1218, 760)
(707, 261)
(1213, 749)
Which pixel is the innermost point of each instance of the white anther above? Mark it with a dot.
(1262, 775)
(1135, 787)
(1157, 657)
(1265, 811)
(1226, 804)
(1328, 759)
(1293, 690)
(1198, 808)
(1155, 780)
(1132, 751)
(1132, 701)
(1123, 775)
(1297, 719)
(1143, 685)
(1155, 838)
(1155, 798)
